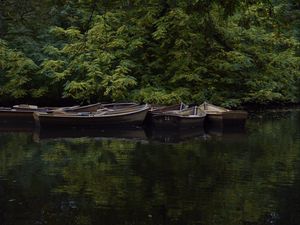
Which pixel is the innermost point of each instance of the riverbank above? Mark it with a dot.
(270, 107)
(62, 102)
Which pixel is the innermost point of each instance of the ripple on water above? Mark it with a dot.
(228, 178)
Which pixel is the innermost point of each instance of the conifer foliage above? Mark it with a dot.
(157, 51)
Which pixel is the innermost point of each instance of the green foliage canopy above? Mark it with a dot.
(227, 52)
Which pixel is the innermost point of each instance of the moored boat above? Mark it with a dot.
(104, 117)
(31, 108)
(119, 105)
(84, 108)
(158, 109)
(24, 112)
(16, 127)
(222, 117)
(15, 114)
(181, 119)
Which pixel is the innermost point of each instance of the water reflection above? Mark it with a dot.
(227, 178)
(137, 134)
(174, 135)
(131, 134)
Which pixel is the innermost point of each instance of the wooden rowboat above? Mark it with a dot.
(119, 105)
(181, 119)
(24, 112)
(158, 109)
(161, 109)
(105, 117)
(31, 108)
(16, 127)
(85, 108)
(222, 117)
(15, 115)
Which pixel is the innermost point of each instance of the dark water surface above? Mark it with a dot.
(250, 178)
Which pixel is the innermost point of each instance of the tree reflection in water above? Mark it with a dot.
(225, 179)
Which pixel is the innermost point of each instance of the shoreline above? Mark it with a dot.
(270, 107)
(253, 107)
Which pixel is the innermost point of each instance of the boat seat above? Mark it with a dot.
(83, 113)
(25, 106)
(213, 111)
(104, 110)
(59, 111)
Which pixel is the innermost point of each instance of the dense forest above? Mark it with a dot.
(227, 52)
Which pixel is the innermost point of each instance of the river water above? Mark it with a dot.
(137, 178)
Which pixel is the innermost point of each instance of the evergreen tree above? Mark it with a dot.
(226, 52)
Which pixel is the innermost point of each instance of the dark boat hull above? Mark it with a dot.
(16, 126)
(17, 115)
(176, 122)
(230, 119)
(157, 110)
(25, 115)
(126, 120)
